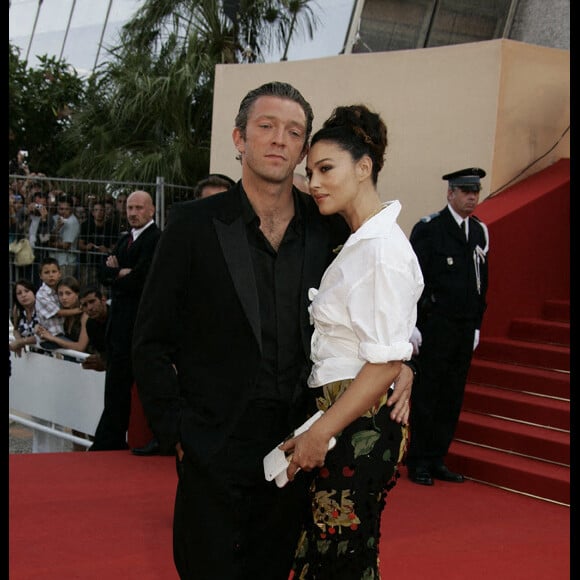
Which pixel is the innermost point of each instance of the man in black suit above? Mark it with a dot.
(452, 247)
(222, 344)
(125, 272)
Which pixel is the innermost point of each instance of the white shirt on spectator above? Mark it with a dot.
(68, 233)
(366, 306)
(47, 305)
(34, 221)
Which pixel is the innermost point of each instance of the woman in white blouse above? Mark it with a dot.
(363, 314)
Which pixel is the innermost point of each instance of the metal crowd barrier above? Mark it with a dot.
(51, 394)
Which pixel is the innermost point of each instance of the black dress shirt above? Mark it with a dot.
(278, 280)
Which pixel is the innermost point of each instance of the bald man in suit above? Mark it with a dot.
(125, 271)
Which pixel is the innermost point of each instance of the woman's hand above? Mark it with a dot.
(305, 451)
(43, 333)
(401, 396)
(16, 346)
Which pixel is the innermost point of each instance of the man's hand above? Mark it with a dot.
(112, 261)
(401, 396)
(94, 362)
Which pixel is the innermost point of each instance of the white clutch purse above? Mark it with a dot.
(276, 462)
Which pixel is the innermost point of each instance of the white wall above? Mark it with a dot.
(444, 108)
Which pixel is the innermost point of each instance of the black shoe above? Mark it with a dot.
(420, 475)
(152, 448)
(442, 472)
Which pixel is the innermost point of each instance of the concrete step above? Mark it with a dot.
(540, 330)
(500, 402)
(519, 474)
(526, 379)
(515, 437)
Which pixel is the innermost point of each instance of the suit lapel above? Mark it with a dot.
(231, 233)
(142, 236)
(453, 228)
(234, 244)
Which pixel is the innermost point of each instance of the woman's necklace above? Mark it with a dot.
(372, 215)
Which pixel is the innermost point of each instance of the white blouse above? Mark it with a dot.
(366, 306)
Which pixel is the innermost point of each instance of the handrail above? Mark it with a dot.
(35, 426)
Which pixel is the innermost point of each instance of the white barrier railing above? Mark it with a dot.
(50, 393)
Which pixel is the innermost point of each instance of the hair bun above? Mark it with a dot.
(358, 130)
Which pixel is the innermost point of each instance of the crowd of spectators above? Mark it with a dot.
(78, 223)
(59, 297)
(77, 230)
(59, 315)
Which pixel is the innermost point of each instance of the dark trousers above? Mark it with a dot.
(111, 432)
(229, 522)
(444, 359)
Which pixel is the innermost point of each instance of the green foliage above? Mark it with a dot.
(147, 110)
(147, 116)
(42, 102)
(364, 441)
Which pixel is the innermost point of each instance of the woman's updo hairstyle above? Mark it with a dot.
(359, 131)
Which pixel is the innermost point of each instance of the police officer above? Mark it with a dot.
(452, 247)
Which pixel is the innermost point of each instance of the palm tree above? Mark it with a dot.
(148, 116)
(150, 105)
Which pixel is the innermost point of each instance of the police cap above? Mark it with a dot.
(465, 177)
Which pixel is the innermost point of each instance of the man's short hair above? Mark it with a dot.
(273, 89)
(49, 261)
(91, 290)
(213, 179)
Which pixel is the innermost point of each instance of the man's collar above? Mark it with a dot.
(248, 213)
(137, 231)
(455, 215)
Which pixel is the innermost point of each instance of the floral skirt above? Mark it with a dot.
(349, 494)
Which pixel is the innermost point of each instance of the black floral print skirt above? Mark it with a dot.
(349, 494)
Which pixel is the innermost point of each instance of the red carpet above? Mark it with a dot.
(108, 515)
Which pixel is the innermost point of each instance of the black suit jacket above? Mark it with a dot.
(449, 269)
(125, 292)
(197, 341)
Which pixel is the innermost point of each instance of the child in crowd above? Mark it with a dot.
(48, 308)
(75, 335)
(24, 318)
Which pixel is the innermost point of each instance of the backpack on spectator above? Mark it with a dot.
(22, 250)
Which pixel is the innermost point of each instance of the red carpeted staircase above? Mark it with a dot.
(514, 429)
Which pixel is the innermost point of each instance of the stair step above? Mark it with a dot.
(514, 437)
(539, 330)
(546, 356)
(543, 480)
(556, 310)
(519, 378)
(500, 402)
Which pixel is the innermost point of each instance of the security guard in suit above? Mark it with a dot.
(452, 247)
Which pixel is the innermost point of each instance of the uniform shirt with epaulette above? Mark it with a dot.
(454, 268)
